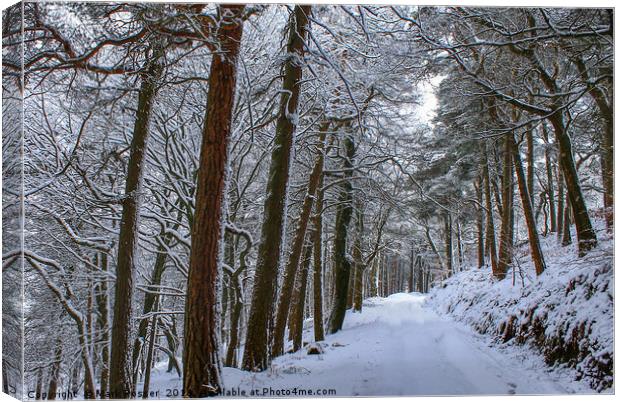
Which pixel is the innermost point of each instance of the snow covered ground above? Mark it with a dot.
(566, 313)
(397, 346)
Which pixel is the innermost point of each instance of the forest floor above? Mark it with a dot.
(400, 346)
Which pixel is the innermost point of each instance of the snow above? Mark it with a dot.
(397, 346)
(573, 299)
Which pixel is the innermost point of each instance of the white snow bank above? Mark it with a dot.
(566, 313)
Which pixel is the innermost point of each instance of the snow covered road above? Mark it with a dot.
(399, 346)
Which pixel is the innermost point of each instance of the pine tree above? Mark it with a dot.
(201, 359)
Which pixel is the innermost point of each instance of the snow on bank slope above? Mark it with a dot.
(566, 313)
(396, 346)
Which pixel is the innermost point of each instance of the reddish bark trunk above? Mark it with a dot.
(526, 201)
(201, 361)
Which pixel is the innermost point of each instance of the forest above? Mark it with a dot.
(194, 192)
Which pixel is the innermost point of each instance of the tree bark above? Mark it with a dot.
(351, 285)
(529, 136)
(38, 384)
(411, 283)
(55, 372)
(526, 201)
(505, 245)
(235, 317)
(149, 358)
(342, 264)
(480, 220)
(101, 298)
(358, 263)
(150, 300)
(586, 237)
(566, 236)
(299, 299)
(448, 237)
(373, 277)
(459, 244)
(420, 274)
(261, 320)
(560, 210)
(121, 378)
(550, 186)
(201, 361)
(293, 263)
(607, 139)
(492, 247)
(173, 344)
(431, 242)
(237, 305)
(317, 279)
(89, 379)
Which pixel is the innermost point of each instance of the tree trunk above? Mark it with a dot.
(550, 186)
(560, 210)
(89, 379)
(173, 344)
(374, 277)
(55, 372)
(5, 380)
(317, 279)
(529, 136)
(150, 300)
(566, 236)
(448, 234)
(358, 282)
(235, 317)
(351, 286)
(121, 377)
(411, 283)
(480, 220)
(431, 242)
(420, 270)
(38, 384)
(526, 201)
(505, 245)
(586, 237)
(459, 244)
(101, 298)
(201, 361)
(293, 263)
(260, 322)
(149, 358)
(378, 275)
(607, 139)
(237, 305)
(492, 246)
(300, 299)
(342, 265)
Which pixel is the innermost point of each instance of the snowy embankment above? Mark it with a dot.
(397, 346)
(566, 314)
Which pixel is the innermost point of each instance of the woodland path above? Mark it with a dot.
(400, 346)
